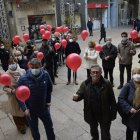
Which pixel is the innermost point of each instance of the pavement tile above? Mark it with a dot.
(1, 135)
(6, 125)
(2, 115)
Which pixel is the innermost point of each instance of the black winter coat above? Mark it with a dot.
(107, 100)
(112, 53)
(4, 56)
(48, 56)
(72, 48)
(30, 51)
(103, 32)
(23, 64)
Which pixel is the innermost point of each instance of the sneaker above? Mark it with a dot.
(64, 63)
(68, 83)
(22, 131)
(76, 83)
(120, 86)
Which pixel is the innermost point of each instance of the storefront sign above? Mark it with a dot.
(36, 10)
(97, 5)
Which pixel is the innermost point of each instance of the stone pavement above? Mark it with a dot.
(67, 115)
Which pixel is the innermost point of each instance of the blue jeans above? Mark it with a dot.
(46, 119)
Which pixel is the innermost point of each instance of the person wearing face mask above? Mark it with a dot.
(52, 42)
(28, 50)
(90, 25)
(40, 85)
(129, 101)
(4, 57)
(14, 71)
(21, 60)
(72, 47)
(99, 103)
(35, 51)
(108, 56)
(48, 60)
(126, 51)
(90, 56)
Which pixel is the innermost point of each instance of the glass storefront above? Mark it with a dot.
(36, 21)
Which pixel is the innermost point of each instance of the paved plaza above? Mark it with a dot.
(67, 115)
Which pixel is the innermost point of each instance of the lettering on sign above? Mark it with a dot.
(97, 5)
(40, 12)
(27, 8)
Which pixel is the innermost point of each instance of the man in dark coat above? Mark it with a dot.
(90, 25)
(28, 50)
(4, 56)
(36, 106)
(72, 47)
(21, 60)
(103, 33)
(31, 35)
(108, 56)
(52, 42)
(99, 103)
(48, 60)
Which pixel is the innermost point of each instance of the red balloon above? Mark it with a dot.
(28, 65)
(64, 43)
(55, 33)
(57, 46)
(40, 55)
(5, 79)
(42, 31)
(67, 38)
(41, 27)
(47, 35)
(98, 48)
(58, 29)
(84, 34)
(25, 37)
(17, 38)
(61, 28)
(43, 36)
(134, 34)
(49, 28)
(23, 93)
(65, 29)
(74, 61)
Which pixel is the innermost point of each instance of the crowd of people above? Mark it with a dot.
(97, 91)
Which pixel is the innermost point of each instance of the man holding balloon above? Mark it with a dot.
(72, 47)
(36, 105)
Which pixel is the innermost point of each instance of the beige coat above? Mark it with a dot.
(14, 107)
(124, 51)
(91, 58)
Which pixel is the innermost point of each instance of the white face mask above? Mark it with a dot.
(53, 39)
(136, 77)
(70, 40)
(2, 47)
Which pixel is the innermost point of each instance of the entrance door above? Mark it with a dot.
(104, 17)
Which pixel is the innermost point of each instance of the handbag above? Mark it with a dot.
(119, 108)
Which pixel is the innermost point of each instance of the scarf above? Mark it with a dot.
(38, 78)
(15, 74)
(136, 99)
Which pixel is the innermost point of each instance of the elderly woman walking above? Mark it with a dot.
(90, 56)
(129, 101)
(14, 71)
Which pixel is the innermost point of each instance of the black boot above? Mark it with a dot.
(120, 86)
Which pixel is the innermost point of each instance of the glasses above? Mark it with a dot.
(95, 72)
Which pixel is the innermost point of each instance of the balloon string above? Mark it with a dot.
(26, 109)
(103, 53)
(64, 50)
(74, 83)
